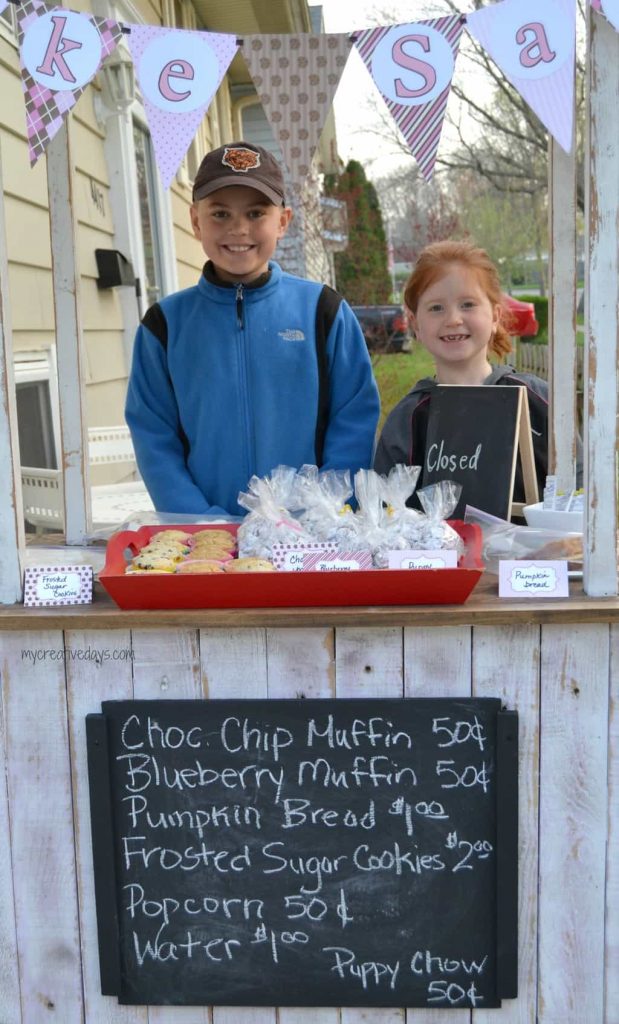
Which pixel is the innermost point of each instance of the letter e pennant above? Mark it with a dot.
(60, 53)
(534, 45)
(179, 72)
(412, 66)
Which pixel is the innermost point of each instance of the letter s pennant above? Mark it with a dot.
(412, 66)
(60, 53)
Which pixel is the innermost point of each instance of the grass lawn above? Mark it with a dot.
(395, 375)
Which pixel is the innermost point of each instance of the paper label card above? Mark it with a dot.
(533, 579)
(411, 559)
(337, 561)
(57, 584)
(289, 557)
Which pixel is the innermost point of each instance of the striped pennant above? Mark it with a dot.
(419, 112)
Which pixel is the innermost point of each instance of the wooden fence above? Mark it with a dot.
(532, 358)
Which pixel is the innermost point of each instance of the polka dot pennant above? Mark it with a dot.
(179, 72)
(296, 77)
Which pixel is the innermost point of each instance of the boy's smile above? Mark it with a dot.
(239, 229)
(455, 321)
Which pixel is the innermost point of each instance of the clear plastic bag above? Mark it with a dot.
(325, 511)
(370, 516)
(438, 502)
(401, 524)
(270, 520)
(503, 541)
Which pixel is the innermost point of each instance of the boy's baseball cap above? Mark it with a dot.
(240, 163)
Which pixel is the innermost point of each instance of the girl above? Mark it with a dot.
(454, 299)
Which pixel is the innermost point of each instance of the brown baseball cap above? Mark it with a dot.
(240, 163)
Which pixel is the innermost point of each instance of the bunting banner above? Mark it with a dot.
(610, 8)
(534, 45)
(412, 66)
(60, 53)
(179, 72)
(296, 77)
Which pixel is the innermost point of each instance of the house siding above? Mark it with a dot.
(109, 317)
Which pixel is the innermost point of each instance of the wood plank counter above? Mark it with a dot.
(555, 662)
(482, 608)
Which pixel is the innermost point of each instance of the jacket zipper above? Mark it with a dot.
(249, 441)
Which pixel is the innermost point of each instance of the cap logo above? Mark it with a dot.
(240, 159)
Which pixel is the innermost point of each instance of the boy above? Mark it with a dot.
(252, 367)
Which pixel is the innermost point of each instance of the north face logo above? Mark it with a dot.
(290, 334)
(240, 159)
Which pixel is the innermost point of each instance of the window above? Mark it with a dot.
(37, 409)
(147, 195)
(8, 22)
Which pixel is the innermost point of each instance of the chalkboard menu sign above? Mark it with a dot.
(306, 852)
(473, 437)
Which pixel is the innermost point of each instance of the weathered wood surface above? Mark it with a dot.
(601, 307)
(69, 344)
(481, 609)
(563, 376)
(561, 679)
(11, 514)
(574, 814)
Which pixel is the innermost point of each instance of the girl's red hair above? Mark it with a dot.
(432, 264)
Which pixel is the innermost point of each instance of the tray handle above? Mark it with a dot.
(117, 544)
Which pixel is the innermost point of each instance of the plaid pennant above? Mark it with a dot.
(46, 107)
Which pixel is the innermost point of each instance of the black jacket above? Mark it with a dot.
(403, 437)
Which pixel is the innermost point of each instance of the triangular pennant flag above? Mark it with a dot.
(412, 65)
(296, 77)
(60, 53)
(534, 44)
(610, 8)
(179, 72)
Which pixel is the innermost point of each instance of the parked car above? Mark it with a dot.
(522, 317)
(385, 328)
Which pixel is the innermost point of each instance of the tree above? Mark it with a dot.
(361, 271)
(507, 225)
(417, 212)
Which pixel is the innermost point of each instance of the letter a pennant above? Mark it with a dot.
(296, 77)
(412, 66)
(60, 52)
(179, 73)
(534, 44)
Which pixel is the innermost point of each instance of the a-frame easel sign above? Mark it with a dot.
(474, 435)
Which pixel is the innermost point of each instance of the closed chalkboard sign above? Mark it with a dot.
(473, 436)
(306, 852)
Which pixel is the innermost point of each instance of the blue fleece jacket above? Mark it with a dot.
(225, 383)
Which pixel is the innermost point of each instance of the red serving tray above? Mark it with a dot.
(286, 589)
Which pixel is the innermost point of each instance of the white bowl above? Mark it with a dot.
(550, 519)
